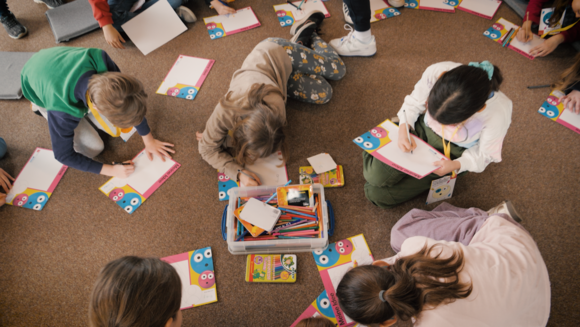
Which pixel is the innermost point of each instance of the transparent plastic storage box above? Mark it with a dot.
(274, 246)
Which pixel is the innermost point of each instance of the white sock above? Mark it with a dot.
(364, 37)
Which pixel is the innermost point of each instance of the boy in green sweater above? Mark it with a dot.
(68, 85)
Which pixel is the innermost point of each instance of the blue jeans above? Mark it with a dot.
(121, 14)
(2, 147)
(4, 8)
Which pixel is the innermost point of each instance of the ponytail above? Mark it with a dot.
(461, 92)
(411, 284)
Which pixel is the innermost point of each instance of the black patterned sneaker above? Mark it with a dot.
(51, 4)
(304, 34)
(315, 16)
(13, 27)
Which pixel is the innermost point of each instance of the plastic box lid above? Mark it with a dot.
(273, 246)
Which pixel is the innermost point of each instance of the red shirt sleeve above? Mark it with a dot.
(535, 10)
(101, 12)
(573, 34)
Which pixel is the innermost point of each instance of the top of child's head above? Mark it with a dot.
(463, 91)
(315, 322)
(119, 97)
(383, 294)
(136, 292)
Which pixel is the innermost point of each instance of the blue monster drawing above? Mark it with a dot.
(367, 141)
(391, 12)
(451, 2)
(130, 202)
(549, 110)
(323, 304)
(187, 93)
(411, 4)
(201, 260)
(36, 201)
(216, 33)
(547, 17)
(492, 33)
(327, 257)
(286, 21)
(225, 184)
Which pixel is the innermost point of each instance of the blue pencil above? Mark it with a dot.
(242, 236)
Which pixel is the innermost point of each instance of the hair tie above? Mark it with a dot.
(485, 65)
(381, 296)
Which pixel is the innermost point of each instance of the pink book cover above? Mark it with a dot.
(223, 25)
(129, 193)
(553, 109)
(333, 263)
(36, 181)
(434, 5)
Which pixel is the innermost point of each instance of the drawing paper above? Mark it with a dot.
(501, 28)
(322, 163)
(334, 262)
(195, 269)
(553, 109)
(436, 5)
(525, 48)
(36, 181)
(452, 3)
(154, 27)
(271, 171)
(380, 9)
(129, 193)
(381, 143)
(288, 14)
(482, 8)
(185, 77)
(223, 25)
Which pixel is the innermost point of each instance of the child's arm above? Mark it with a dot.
(102, 14)
(221, 7)
(5, 179)
(571, 101)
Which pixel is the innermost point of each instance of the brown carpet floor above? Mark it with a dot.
(50, 259)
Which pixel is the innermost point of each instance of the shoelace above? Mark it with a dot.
(349, 36)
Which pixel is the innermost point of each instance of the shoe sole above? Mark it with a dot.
(512, 210)
(297, 25)
(49, 7)
(189, 12)
(303, 27)
(21, 35)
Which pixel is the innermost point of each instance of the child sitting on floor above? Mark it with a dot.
(66, 84)
(453, 106)
(136, 292)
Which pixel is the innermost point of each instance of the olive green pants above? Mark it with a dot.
(387, 187)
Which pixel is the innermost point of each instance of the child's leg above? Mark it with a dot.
(4, 8)
(446, 223)
(173, 3)
(309, 88)
(390, 196)
(314, 62)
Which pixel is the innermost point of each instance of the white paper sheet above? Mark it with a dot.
(186, 72)
(484, 8)
(223, 25)
(260, 214)
(39, 173)
(435, 5)
(268, 171)
(322, 163)
(154, 27)
(525, 48)
(570, 117)
(287, 20)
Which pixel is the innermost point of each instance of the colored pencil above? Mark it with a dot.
(296, 212)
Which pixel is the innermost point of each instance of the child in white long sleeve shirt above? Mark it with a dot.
(460, 104)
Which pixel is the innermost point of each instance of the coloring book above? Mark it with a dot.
(380, 9)
(481, 8)
(502, 27)
(223, 25)
(195, 268)
(129, 193)
(37, 181)
(381, 143)
(333, 178)
(436, 5)
(185, 77)
(336, 261)
(288, 14)
(321, 308)
(554, 109)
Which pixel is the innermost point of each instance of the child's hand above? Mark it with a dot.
(572, 101)
(221, 8)
(5, 180)
(404, 144)
(447, 166)
(120, 171)
(525, 33)
(153, 146)
(198, 135)
(113, 37)
(547, 47)
(247, 181)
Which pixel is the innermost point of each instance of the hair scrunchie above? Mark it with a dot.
(381, 296)
(485, 65)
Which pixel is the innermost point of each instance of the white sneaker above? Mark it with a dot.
(346, 14)
(506, 207)
(186, 15)
(349, 46)
(396, 3)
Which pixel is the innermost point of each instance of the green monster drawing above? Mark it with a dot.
(259, 274)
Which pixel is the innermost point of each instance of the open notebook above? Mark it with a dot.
(554, 110)
(185, 77)
(129, 193)
(502, 27)
(37, 181)
(223, 25)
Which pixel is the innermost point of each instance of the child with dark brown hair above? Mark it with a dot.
(136, 292)
(315, 322)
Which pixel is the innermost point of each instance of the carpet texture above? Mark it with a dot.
(49, 260)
